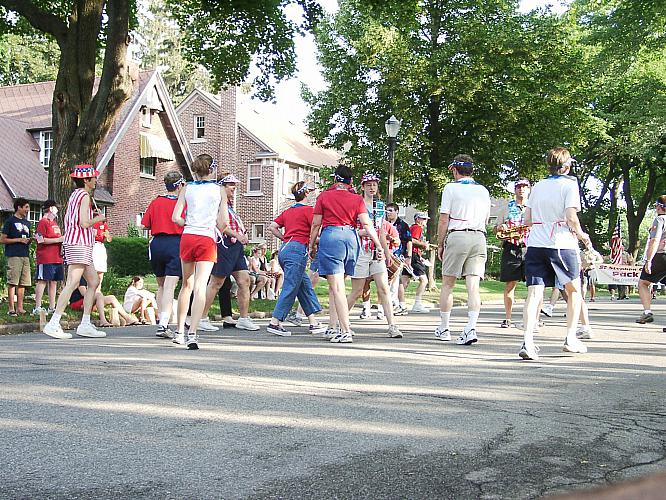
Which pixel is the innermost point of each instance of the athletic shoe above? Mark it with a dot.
(37, 310)
(443, 334)
(56, 331)
(164, 332)
(505, 323)
(574, 346)
(330, 333)
(317, 329)
(88, 330)
(467, 338)
(179, 338)
(547, 310)
(419, 308)
(532, 353)
(394, 332)
(400, 311)
(278, 330)
(365, 314)
(645, 318)
(583, 334)
(50, 310)
(381, 315)
(246, 324)
(228, 322)
(192, 342)
(207, 326)
(294, 319)
(343, 338)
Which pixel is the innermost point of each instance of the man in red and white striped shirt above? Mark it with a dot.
(78, 244)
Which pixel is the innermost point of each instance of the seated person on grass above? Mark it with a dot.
(118, 315)
(140, 300)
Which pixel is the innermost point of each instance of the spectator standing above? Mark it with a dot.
(404, 253)
(102, 235)
(16, 236)
(419, 269)
(654, 269)
(49, 266)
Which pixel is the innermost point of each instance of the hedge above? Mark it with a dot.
(128, 256)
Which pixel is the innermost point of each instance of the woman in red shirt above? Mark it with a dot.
(293, 228)
(335, 214)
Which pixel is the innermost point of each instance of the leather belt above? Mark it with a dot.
(469, 230)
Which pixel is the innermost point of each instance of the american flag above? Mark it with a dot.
(617, 248)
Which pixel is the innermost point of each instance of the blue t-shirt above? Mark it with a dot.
(16, 228)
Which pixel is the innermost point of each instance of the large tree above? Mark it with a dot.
(224, 36)
(464, 76)
(27, 59)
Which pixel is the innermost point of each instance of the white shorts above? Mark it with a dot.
(366, 267)
(99, 257)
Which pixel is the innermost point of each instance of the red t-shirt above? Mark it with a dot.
(100, 228)
(158, 216)
(48, 253)
(339, 208)
(391, 235)
(297, 222)
(417, 234)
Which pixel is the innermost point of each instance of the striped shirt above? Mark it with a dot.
(75, 234)
(235, 222)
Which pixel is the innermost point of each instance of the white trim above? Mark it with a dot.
(198, 141)
(196, 127)
(193, 95)
(253, 194)
(249, 178)
(258, 141)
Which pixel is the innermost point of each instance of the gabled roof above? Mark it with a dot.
(21, 173)
(272, 132)
(29, 103)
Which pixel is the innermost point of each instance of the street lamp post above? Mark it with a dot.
(392, 126)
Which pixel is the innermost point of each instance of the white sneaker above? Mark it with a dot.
(381, 315)
(179, 338)
(37, 310)
(88, 330)
(547, 309)
(365, 314)
(207, 326)
(228, 320)
(582, 333)
(443, 334)
(56, 331)
(394, 332)
(317, 329)
(343, 338)
(278, 330)
(574, 346)
(531, 353)
(192, 342)
(419, 308)
(330, 333)
(246, 324)
(467, 338)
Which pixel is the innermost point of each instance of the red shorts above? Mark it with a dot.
(77, 306)
(196, 248)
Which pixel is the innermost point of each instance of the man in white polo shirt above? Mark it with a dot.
(461, 245)
(552, 248)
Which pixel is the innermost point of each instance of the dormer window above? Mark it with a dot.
(146, 117)
(199, 127)
(45, 146)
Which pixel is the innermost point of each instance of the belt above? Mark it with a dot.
(468, 230)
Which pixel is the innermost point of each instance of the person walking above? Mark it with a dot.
(335, 214)
(404, 253)
(512, 264)
(654, 269)
(552, 249)
(419, 269)
(49, 264)
(78, 243)
(206, 216)
(461, 245)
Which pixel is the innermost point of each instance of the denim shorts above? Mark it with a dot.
(230, 258)
(338, 250)
(546, 266)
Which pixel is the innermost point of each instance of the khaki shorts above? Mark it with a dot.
(366, 267)
(465, 254)
(18, 271)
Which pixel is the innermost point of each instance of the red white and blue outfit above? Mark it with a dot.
(164, 247)
(230, 254)
(197, 243)
(78, 240)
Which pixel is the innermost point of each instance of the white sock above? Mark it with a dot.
(380, 309)
(571, 335)
(585, 328)
(648, 311)
(472, 317)
(417, 299)
(85, 319)
(529, 339)
(367, 305)
(444, 320)
(403, 305)
(164, 319)
(55, 319)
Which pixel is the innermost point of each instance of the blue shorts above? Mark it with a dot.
(546, 266)
(314, 265)
(338, 250)
(50, 272)
(164, 255)
(229, 259)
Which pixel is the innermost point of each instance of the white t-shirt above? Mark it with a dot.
(203, 202)
(130, 294)
(467, 203)
(548, 202)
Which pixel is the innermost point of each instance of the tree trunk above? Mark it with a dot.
(636, 214)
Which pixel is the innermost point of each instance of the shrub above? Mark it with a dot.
(128, 256)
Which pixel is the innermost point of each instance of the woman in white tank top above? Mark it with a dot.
(205, 203)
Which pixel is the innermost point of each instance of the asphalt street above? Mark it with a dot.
(252, 415)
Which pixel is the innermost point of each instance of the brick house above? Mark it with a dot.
(145, 142)
(266, 152)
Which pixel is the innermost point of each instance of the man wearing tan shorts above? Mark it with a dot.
(461, 245)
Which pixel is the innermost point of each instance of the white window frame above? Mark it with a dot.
(35, 208)
(45, 146)
(144, 232)
(146, 117)
(289, 180)
(250, 178)
(198, 126)
(141, 167)
(255, 236)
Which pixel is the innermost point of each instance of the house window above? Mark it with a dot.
(45, 146)
(35, 213)
(258, 232)
(254, 178)
(147, 166)
(290, 179)
(146, 117)
(144, 232)
(199, 127)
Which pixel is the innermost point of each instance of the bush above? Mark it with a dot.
(128, 256)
